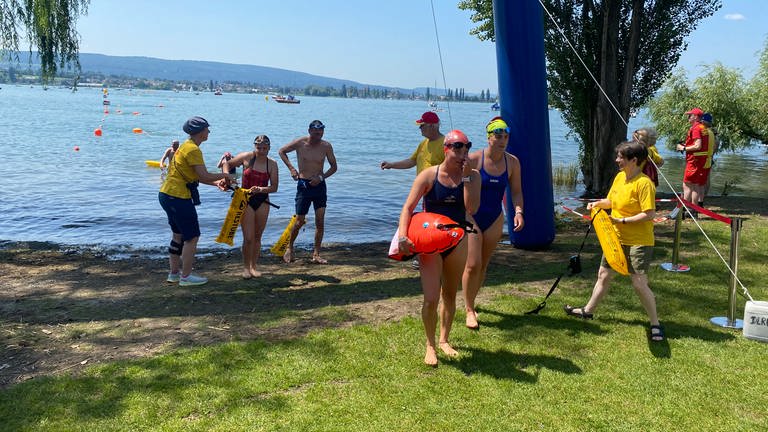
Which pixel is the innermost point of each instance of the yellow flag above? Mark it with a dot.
(234, 215)
(609, 241)
(281, 244)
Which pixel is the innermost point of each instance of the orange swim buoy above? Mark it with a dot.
(97, 132)
(430, 233)
(138, 130)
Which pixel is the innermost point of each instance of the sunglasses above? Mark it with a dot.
(459, 145)
(499, 131)
(316, 126)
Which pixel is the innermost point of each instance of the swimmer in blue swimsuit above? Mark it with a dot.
(498, 170)
(451, 189)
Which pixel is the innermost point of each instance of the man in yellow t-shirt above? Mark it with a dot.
(430, 150)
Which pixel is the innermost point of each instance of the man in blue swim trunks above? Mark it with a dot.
(311, 152)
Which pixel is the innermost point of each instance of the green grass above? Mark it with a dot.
(544, 372)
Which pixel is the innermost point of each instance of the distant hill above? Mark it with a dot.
(203, 71)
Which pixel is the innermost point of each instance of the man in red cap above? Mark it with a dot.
(430, 149)
(428, 153)
(696, 154)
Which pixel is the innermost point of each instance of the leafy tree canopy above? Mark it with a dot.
(629, 46)
(739, 107)
(48, 25)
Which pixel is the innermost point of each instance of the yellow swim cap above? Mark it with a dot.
(497, 126)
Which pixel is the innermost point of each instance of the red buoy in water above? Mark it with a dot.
(97, 132)
(77, 148)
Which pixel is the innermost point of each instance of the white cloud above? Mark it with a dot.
(735, 17)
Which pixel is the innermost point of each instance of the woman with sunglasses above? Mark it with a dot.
(260, 178)
(498, 170)
(452, 189)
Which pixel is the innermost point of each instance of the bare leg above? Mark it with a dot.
(648, 300)
(188, 256)
(603, 283)
(453, 266)
(430, 269)
(480, 249)
(300, 221)
(262, 214)
(319, 232)
(247, 225)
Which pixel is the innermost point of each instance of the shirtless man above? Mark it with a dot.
(311, 152)
(169, 152)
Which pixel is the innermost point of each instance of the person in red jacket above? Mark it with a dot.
(696, 148)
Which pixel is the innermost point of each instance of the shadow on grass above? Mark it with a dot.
(517, 322)
(110, 391)
(503, 364)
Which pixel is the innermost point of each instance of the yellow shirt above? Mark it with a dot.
(429, 153)
(628, 198)
(181, 171)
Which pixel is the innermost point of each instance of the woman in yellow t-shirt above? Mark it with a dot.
(633, 207)
(178, 196)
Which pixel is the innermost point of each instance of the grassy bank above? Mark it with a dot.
(349, 354)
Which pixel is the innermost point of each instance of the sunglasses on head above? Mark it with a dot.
(499, 131)
(317, 126)
(459, 145)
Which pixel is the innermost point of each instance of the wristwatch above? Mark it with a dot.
(467, 179)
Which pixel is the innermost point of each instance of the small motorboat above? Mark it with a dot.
(290, 99)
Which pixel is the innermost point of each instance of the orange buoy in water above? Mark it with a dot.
(137, 130)
(136, 113)
(97, 132)
(77, 148)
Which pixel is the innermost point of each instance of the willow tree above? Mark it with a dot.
(628, 46)
(48, 26)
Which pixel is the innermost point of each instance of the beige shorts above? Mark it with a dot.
(638, 258)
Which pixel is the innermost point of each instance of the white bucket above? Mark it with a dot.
(756, 320)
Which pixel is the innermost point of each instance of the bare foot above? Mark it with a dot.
(288, 256)
(430, 357)
(448, 349)
(246, 274)
(317, 260)
(471, 321)
(255, 273)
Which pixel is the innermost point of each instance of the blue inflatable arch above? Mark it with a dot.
(522, 75)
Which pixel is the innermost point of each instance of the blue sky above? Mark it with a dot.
(389, 42)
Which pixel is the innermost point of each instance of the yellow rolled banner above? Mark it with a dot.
(609, 241)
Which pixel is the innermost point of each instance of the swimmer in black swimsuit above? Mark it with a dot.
(452, 189)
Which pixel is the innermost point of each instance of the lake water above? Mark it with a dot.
(104, 196)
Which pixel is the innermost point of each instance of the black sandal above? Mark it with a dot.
(657, 333)
(581, 314)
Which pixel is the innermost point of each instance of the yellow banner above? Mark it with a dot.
(609, 241)
(282, 243)
(234, 215)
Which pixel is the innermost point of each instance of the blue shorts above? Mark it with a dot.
(182, 216)
(306, 195)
